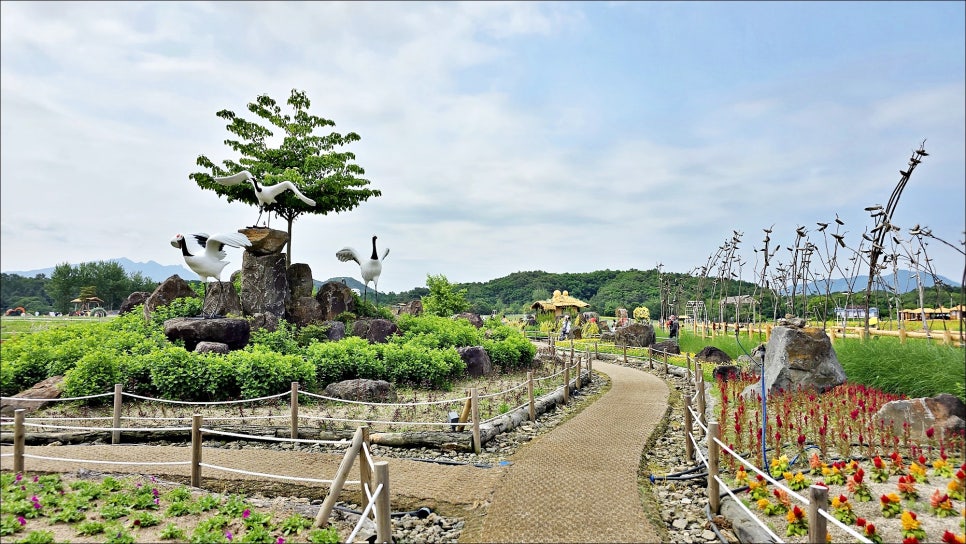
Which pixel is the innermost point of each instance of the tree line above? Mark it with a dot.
(105, 279)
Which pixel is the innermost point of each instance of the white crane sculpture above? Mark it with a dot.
(266, 194)
(205, 255)
(371, 267)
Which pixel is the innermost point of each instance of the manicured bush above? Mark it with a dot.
(512, 352)
(94, 373)
(262, 372)
(337, 361)
(179, 374)
(421, 366)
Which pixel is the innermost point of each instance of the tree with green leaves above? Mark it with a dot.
(316, 164)
(443, 300)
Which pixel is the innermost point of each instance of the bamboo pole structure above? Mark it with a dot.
(365, 470)
(336, 488)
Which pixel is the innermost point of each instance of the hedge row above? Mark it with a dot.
(127, 350)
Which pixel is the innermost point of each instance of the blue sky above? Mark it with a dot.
(565, 137)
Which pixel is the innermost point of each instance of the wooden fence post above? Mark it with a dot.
(196, 450)
(336, 488)
(688, 429)
(533, 410)
(383, 522)
(596, 353)
(625, 354)
(687, 357)
(365, 471)
(571, 352)
(116, 435)
(699, 378)
(18, 439)
(566, 390)
(902, 335)
(578, 374)
(294, 404)
(817, 525)
(665, 363)
(475, 411)
(714, 493)
(650, 357)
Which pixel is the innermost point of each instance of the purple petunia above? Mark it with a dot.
(228, 535)
(21, 521)
(246, 513)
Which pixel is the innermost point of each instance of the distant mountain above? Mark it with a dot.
(155, 271)
(351, 282)
(906, 282)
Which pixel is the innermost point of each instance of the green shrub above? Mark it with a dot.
(313, 333)
(421, 366)
(512, 352)
(284, 339)
(337, 361)
(262, 372)
(179, 307)
(95, 373)
(178, 374)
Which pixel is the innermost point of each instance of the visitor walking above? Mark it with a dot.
(565, 329)
(674, 327)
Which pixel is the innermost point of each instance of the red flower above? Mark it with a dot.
(801, 440)
(877, 461)
(930, 432)
(859, 474)
(910, 540)
(860, 522)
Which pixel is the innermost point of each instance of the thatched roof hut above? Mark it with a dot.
(559, 304)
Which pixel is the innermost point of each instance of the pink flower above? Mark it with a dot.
(246, 513)
(21, 521)
(280, 541)
(228, 535)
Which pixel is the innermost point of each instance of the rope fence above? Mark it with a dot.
(373, 475)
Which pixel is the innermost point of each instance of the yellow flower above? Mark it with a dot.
(909, 521)
(763, 503)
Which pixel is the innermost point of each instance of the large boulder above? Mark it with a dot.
(413, 307)
(376, 331)
(132, 300)
(635, 335)
(264, 284)
(335, 330)
(265, 321)
(713, 355)
(362, 390)
(47, 389)
(300, 280)
(233, 332)
(474, 319)
(799, 358)
(222, 300)
(477, 361)
(265, 241)
(212, 347)
(669, 346)
(943, 413)
(169, 290)
(335, 298)
(304, 311)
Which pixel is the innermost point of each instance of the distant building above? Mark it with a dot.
(855, 312)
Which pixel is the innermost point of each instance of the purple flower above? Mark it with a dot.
(280, 541)
(19, 476)
(21, 521)
(153, 479)
(157, 501)
(246, 513)
(35, 479)
(154, 492)
(228, 535)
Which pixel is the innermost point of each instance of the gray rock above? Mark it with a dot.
(335, 298)
(46, 389)
(222, 300)
(799, 358)
(212, 347)
(264, 284)
(376, 331)
(265, 241)
(132, 300)
(669, 346)
(266, 321)
(711, 354)
(300, 280)
(638, 335)
(305, 311)
(335, 331)
(477, 361)
(474, 319)
(234, 332)
(413, 307)
(169, 290)
(362, 390)
(943, 413)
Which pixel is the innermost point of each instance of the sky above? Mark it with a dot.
(504, 136)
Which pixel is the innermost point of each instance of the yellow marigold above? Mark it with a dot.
(909, 521)
(763, 503)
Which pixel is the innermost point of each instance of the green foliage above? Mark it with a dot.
(421, 366)
(349, 358)
(294, 524)
(178, 374)
(312, 333)
(262, 372)
(284, 339)
(314, 163)
(437, 332)
(179, 307)
(443, 299)
(38, 537)
(172, 532)
(511, 352)
(94, 373)
(324, 536)
(883, 363)
(89, 528)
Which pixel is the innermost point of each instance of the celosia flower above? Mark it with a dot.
(940, 504)
(950, 537)
(911, 526)
(907, 488)
(890, 505)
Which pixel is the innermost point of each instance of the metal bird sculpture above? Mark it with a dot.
(205, 255)
(266, 194)
(371, 266)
